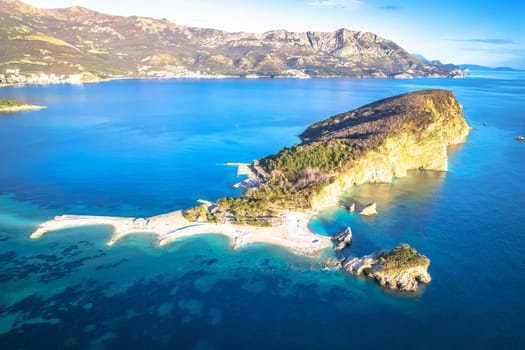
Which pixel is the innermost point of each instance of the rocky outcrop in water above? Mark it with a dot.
(343, 239)
(401, 268)
(369, 210)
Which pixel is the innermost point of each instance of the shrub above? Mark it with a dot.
(402, 257)
(10, 103)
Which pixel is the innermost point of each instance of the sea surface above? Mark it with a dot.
(144, 147)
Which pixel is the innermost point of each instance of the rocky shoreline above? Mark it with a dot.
(76, 79)
(401, 268)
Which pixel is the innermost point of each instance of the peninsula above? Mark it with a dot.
(14, 106)
(374, 143)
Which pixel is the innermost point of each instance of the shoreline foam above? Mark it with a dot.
(293, 234)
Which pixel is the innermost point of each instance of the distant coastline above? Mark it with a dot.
(194, 76)
(143, 47)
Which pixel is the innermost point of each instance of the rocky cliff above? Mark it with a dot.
(79, 41)
(401, 133)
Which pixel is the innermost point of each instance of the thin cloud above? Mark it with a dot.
(501, 51)
(390, 7)
(335, 3)
(486, 41)
(502, 56)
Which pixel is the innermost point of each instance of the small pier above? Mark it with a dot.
(254, 172)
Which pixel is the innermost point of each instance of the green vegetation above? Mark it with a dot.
(324, 157)
(296, 174)
(10, 103)
(241, 211)
(401, 257)
(196, 213)
(246, 210)
(199, 213)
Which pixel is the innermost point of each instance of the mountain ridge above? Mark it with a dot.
(79, 41)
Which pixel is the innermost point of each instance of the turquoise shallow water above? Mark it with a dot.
(146, 147)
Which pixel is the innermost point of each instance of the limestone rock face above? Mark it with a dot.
(370, 209)
(401, 268)
(406, 281)
(343, 239)
(394, 135)
(356, 266)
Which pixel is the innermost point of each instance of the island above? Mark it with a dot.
(401, 268)
(374, 143)
(13, 106)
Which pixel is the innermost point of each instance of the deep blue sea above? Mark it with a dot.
(144, 147)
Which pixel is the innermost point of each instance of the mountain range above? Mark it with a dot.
(78, 41)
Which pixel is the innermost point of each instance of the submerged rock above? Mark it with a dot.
(401, 268)
(343, 239)
(332, 264)
(370, 209)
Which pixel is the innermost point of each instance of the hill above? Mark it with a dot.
(374, 143)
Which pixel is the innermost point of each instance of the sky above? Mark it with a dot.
(485, 32)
